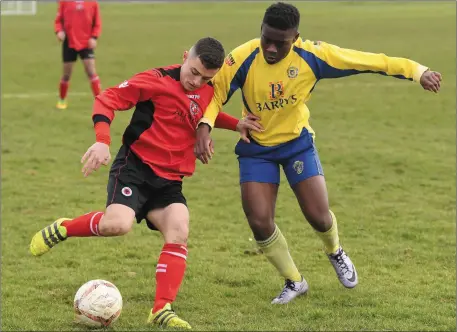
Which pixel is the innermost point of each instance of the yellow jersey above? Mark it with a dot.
(278, 93)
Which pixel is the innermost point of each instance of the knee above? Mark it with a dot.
(320, 219)
(177, 232)
(114, 226)
(262, 225)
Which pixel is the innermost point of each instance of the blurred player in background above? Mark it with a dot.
(78, 26)
(145, 180)
(276, 74)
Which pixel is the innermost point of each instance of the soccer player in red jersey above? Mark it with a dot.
(77, 26)
(145, 180)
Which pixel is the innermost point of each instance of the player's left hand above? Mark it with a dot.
(249, 122)
(430, 80)
(92, 44)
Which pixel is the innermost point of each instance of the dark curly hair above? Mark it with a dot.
(282, 16)
(210, 51)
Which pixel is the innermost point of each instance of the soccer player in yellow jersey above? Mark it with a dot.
(276, 75)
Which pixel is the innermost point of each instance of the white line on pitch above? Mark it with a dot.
(41, 95)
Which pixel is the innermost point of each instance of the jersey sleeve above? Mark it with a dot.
(226, 121)
(123, 97)
(58, 26)
(97, 22)
(330, 61)
(230, 78)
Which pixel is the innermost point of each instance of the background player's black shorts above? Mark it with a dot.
(70, 54)
(134, 184)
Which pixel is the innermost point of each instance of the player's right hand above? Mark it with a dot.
(61, 36)
(98, 154)
(204, 146)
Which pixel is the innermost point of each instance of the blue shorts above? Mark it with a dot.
(298, 158)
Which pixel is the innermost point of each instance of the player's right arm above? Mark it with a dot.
(119, 98)
(225, 83)
(58, 22)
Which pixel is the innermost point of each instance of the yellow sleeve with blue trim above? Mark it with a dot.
(330, 61)
(230, 78)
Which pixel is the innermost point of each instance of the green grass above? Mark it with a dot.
(387, 147)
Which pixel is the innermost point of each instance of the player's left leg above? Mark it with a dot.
(173, 223)
(166, 211)
(305, 175)
(88, 58)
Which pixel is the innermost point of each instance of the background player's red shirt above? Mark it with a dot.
(162, 131)
(80, 20)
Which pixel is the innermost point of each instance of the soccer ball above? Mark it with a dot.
(98, 303)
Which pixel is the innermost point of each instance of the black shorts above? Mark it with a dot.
(70, 54)
(134, 184)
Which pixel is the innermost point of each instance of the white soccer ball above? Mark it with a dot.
(97, 303)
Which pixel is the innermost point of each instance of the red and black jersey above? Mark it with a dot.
(80, 20)
(162, 131)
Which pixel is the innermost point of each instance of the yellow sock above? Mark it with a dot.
(330, 238)
(276, 250)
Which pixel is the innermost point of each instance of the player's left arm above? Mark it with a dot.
(96, 26)
(225, 83)
(332, 61)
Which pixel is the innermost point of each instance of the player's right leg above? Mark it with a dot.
(64, 84)
(259, 179)
(258, 200)
(69, 57)
(116, 220)
(125, 199)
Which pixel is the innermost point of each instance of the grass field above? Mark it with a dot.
(387, 147)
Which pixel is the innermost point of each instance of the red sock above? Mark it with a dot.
(83, 226)
(63, 88)
(95, 85)
(169, 273)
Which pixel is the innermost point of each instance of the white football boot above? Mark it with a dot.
(291, 290)
(344, 268)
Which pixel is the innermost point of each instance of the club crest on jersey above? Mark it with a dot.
(292, 72)
(194, 108)
(126, 191)
(276, 90)
(229, 60)
(298, 166)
